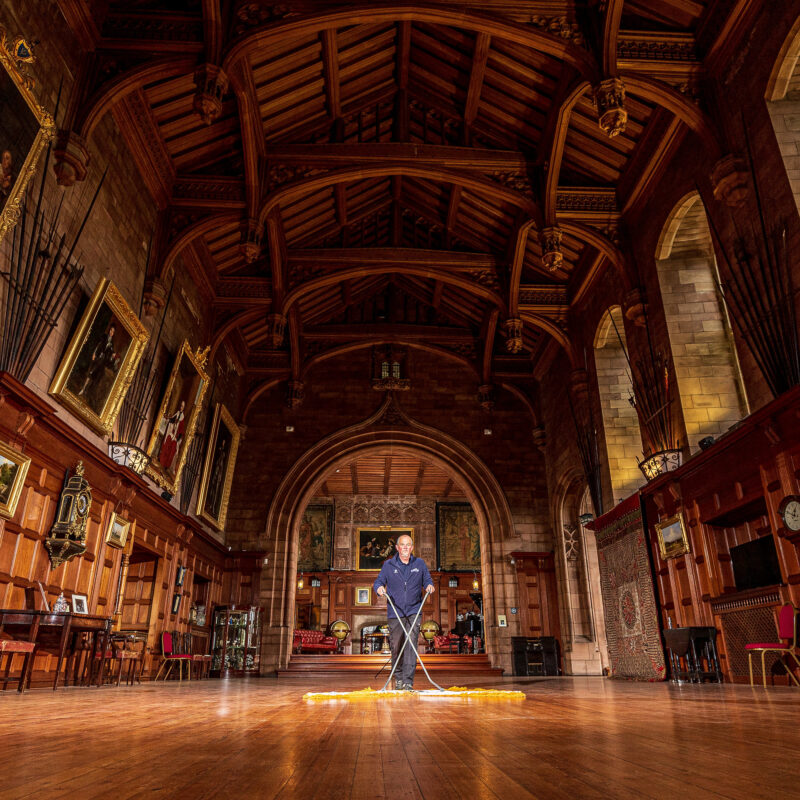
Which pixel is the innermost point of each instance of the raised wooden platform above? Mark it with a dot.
(308, 665)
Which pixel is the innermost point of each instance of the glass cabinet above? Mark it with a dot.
(236, 641)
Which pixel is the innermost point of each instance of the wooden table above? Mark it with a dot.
(52, 632)
(686, 643)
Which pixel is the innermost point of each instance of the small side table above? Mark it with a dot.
(695, 644)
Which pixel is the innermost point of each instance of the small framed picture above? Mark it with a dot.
(13, 469)
(672, 538)
(176, 602)
(502, 622)
(80, 604)
(117, 533)
(363, 596)
(180, 574)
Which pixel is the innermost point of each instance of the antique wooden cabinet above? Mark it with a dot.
(235, 641)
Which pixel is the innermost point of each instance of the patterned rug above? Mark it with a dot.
(634, 641)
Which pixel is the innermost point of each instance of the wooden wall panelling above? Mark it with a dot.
(729, 495)
(158, 529)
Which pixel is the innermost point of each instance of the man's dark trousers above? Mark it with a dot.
(405, 669)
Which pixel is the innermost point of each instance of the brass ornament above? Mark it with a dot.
(67, 537)
(609, 97)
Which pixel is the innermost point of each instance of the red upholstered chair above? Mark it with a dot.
(169, 658)
(787, 630)
(9, 648)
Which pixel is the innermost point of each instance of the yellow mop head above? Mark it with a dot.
(453, 691)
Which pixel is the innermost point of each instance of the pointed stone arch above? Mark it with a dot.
(388, 431)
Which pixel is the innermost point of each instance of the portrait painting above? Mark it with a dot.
(101, 359)
(13, 469)
(457, 537)
(176, 418)
(220, 462)
(25, 127)
(375, 545)
(672, 538)
(315, 538)
(117, 532)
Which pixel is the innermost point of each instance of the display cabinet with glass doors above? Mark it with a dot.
(236, 641)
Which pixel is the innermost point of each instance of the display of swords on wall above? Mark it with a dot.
(759, 292)
(41, 276)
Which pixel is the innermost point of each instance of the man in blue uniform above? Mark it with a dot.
(404, 577)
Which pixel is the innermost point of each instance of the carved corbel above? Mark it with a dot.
(486, 397)
(539, 438)
(635, 307)
(250, 245)
(70, 158)
(276, 324)
(211, 83)
(552, 256)
(729, 180)
(295, 393)
(513, 329)
(579, 384)
(609, 97)
(155, 296)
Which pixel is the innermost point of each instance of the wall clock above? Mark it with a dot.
(789, 509)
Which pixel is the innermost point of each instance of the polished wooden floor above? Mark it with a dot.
(570, 738)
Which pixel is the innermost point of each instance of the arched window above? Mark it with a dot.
(620, 423)
(783, 104)
(706, 368)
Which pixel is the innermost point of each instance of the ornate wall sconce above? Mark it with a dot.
(661, 462)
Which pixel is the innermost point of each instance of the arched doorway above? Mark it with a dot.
(388, 432)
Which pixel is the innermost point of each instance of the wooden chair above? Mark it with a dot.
(787, 631)
(9, 648)
(169, 658)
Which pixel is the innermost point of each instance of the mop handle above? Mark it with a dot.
(397, 613)
(408, 641)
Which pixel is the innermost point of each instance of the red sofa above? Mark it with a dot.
(306, 641)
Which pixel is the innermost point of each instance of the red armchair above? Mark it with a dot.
(787, 630)
(306, 641)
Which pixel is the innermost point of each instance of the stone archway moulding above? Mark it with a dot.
(388, 431)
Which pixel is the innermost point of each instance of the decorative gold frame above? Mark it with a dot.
(359, 590)
(116, 538)
(221, 417)
(676, 546)
(8, 507)
(13, 55)
(197, 360)
(106, 292)
(394, 533)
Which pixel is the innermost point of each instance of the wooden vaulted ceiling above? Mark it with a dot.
(391, 475)
(383, 172)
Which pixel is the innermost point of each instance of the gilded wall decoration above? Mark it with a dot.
(101, 358)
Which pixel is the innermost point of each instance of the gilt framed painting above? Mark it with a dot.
(13, 469)
(101, 359)
(176, 419)
(25, 127)
(220, 462)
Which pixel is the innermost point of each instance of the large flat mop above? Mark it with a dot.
(453, 691)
